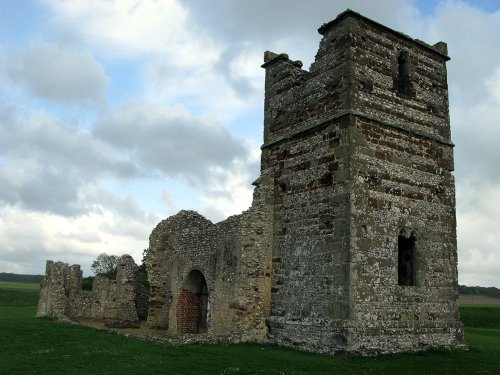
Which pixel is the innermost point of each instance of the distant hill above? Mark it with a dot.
(462, 289)
(4, 276)
(479, 291)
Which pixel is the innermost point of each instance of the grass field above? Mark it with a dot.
(14, 294)
(42, 346)
(15, 285)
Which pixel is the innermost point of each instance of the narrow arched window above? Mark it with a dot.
(406, 259)
(403, 81)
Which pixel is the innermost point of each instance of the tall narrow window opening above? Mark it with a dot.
(403, 74)
(406, 259)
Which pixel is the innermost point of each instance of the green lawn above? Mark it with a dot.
(17, 285)
(42, 346)
(18, 294)
(480, 316)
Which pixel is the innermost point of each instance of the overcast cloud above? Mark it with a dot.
(169, 139)
(115, 114)
(46, 162)
(57, 73)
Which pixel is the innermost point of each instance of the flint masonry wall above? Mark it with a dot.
(121, 300)
(401, 173)
(361, 152)
(309, 158)
(234, 258)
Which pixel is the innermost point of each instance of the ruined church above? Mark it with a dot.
(350, 243)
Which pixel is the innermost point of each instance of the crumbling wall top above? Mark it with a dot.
(439, 48)
(271, 58)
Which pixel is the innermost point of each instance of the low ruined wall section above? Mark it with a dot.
(61, 295)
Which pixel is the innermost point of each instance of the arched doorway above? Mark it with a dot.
(192, 304)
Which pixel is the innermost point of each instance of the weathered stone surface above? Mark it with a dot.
(350, 242)
(361, 153)
(232, 295)
(121, 302)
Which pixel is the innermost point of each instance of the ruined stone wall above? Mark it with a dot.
(358, 158)
(422, 109)
(61, 294)
(55, 290)
(183, 243)
(234, 258)
(253, 301)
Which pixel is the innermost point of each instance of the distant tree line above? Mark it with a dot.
(4, 276)
(110, 271)
(479, 291)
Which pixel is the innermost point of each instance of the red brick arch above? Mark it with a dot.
(192, 304)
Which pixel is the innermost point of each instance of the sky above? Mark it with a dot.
(117, 114)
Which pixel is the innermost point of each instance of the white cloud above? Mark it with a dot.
(240, 68)
(472, 36)
(478, 235)
(46, 162)
(167, 200)
(474, 81)
(29, 238)
(61, 74)
(95, 197)
(476, 133)
(169, 140)
(202, 152)
(130, 28)
(227, 192)
(181, 60)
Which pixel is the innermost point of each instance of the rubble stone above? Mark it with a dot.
(116, 301)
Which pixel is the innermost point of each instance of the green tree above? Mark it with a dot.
(105, 265)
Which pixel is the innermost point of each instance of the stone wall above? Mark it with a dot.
(361, 153)
(233, 258)
(122, 301)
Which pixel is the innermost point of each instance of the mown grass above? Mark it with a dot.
(18, 294)
(42, 346)
(480, 316)
(18, 285)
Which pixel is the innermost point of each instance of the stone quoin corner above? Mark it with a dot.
(350, 243)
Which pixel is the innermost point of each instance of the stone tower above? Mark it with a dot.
(364, 232)
(350, 242)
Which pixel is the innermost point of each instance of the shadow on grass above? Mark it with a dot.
(46, 347)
